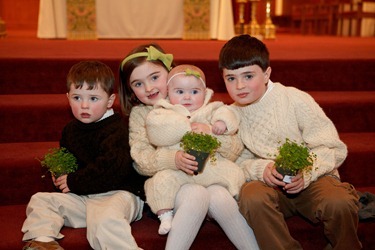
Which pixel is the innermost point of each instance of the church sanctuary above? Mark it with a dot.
(323, 47)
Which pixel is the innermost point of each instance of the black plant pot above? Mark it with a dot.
(200, 157)
(286, 173)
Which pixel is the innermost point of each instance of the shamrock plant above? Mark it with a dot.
(59, 161)
(200, 142)
(293, 158)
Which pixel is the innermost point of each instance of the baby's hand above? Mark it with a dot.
(198, 127)
(219, 128)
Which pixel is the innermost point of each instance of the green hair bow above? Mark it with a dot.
(190, 72)
(152, 54)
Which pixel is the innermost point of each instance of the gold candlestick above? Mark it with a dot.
(268, 29)
(3, 32)
(240, 27)
(253, 27)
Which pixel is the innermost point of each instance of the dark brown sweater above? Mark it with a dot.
(103, 155)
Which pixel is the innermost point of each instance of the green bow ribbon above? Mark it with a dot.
(190, 72)
(152, 54)
(155, 54)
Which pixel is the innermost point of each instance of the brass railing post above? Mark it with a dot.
(253, 27)
(3, 31)
(240, 27)
(268, 28)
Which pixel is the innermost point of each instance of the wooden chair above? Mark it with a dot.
(315, 18)
(354, 11)
(326, 18)
(296, 17)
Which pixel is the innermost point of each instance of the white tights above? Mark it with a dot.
(193, 203)
(191, 207)
(224, 209)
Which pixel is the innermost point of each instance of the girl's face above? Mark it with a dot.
(149, 82)
(187, 91)
(89, 105)
(246, 85)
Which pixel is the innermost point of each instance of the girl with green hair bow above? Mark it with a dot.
(143, 82)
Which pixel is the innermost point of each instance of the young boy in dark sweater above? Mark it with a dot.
(105, 193)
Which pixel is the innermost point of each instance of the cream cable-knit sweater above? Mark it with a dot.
(149, 160)
(286, 112)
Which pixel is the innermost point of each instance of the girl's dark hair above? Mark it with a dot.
(242, 51)
(127, 97)
(93, 73)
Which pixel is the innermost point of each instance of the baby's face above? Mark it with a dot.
(188, 91)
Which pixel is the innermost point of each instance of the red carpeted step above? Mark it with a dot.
(357, 168)
(33, 110)
(28, 118)
(21, 170)
(145, 232)
(350, 111)
(41, 117)
(48, 76)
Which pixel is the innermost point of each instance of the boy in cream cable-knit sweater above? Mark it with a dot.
(188, 109)
(270, 113)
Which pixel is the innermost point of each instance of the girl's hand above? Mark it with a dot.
(296, 185)
(271, 177)
(186, 162)
(198, 127)
(61, 183)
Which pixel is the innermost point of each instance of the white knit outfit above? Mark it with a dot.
(149, 160)
(166, 125)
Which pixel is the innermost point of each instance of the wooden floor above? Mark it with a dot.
(20, 44)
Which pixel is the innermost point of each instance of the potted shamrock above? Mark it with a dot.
(202, 146)
(59, 161)
(293, 158)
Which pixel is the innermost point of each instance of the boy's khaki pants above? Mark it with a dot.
(107, 217)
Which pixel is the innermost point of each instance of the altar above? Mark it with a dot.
(135, 19)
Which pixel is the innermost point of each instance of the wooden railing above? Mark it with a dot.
(340, 17)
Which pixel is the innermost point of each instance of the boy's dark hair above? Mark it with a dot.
(242, 51)
(92, 73)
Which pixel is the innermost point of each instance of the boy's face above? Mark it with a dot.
(246, 85)
(149, 82)
(89, 105)
(187, 91)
